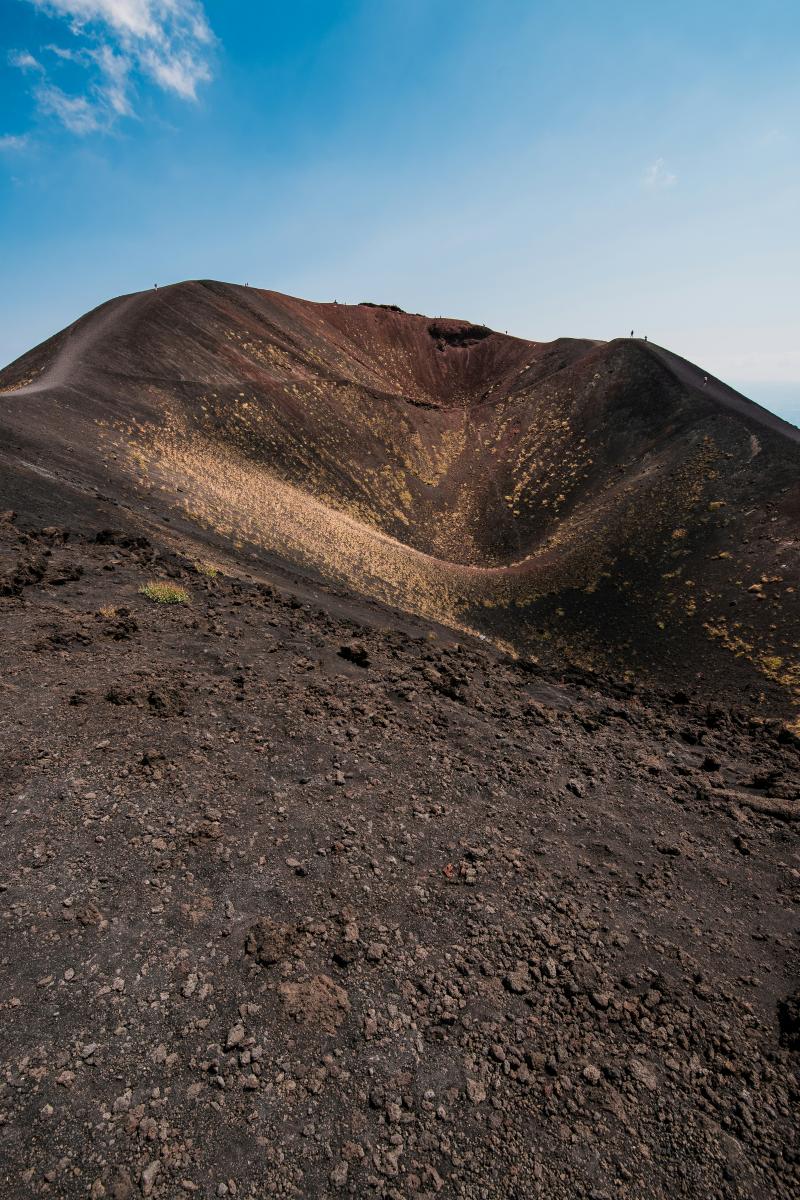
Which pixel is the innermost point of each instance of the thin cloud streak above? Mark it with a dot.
(14, 141)
(23, 60)
(76, 113)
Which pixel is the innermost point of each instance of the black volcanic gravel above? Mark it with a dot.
(299, 898)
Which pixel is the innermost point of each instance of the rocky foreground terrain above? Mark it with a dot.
(302, 897)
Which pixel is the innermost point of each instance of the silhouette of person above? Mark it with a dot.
(631, 333)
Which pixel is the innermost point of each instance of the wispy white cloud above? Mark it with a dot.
(152, 20)
(23, 60)
(657, 177)
(115, 70)
(120, 42)
(76, 113)
(14, 141)
(179, 73)
(65, 54)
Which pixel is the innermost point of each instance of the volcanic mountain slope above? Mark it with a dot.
(605, 504)
(302, 896)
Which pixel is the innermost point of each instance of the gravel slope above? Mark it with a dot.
(300, 897)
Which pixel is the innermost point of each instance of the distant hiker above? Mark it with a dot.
(645, 337)
(155, 285)
(705, 380)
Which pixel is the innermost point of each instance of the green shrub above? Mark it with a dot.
(164, 593)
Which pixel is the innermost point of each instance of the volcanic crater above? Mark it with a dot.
(605, 504)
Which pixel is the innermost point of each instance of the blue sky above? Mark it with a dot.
(546, 168)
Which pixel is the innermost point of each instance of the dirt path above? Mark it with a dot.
(64, 370)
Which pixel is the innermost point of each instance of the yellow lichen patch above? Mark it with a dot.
(775, 667)
(207, 568)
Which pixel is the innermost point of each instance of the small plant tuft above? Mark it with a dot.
(164, 593)
(206, 568)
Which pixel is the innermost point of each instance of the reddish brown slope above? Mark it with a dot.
(595, 502)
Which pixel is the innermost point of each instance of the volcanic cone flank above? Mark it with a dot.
(598, 503)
